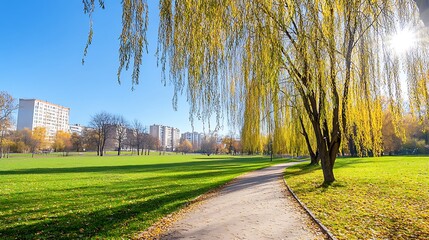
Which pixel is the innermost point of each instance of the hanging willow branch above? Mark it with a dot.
(89, 8)
(133, 39)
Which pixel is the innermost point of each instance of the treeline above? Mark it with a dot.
(27, 141)
(399, 135)
(106, 132)
(109, 130)
(412, 137)
(211, 144)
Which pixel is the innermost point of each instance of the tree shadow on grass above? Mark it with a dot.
(195, 165)
(138, 186)
(302, 169)
(234, 157)
(96, 223)
(339, 163)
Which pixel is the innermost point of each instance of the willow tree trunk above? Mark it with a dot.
(328, 170)
(119, 148)
(328, 145)
(314, 158)
(314, 155)
(328, 153)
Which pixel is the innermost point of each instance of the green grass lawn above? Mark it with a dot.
(373, 198)
(104, 197)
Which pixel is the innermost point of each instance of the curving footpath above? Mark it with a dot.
(254, 206)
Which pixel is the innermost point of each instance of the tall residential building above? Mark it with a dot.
(194, 138)
(34, 113)
(169, 137)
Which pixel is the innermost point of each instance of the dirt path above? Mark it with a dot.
(254, 206)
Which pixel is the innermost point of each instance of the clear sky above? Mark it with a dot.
(41, 48)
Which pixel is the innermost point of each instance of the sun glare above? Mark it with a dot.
(403, 41)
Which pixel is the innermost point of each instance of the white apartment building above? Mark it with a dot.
(76, 128)
(194, 138)
(169, 137)
(34, 113)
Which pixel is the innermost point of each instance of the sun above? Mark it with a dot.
(402, 41)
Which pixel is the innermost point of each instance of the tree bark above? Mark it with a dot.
(328, 171)
(328, 145)
(314, 156)
(102, 149)
(328, 154)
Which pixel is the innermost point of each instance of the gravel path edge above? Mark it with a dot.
(322, 227)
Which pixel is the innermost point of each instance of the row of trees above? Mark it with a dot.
(34, 141)
(210, 145)
(107, 130)
(23, 141)
(412, 138)
(403, 135)
(107, 127)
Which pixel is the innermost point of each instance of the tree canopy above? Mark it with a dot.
(304, 73)
(327, 63)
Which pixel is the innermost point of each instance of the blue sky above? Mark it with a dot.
(41, 48)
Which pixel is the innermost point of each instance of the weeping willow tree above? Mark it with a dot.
(317, 67)
(304, 73)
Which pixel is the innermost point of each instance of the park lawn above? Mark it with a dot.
(105, 197)
(373, 198)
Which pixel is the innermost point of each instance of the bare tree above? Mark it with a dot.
(209, 145)
(89, 139)
(120, 127)
(138, 132)
(130, 140)
(149, 142)
(102, 123)
(76, 142)
(7, 106)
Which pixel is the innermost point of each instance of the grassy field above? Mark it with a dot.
(373, 198)
(109, 197)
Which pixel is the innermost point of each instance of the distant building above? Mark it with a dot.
(194, 138)
(34, 113)
(76, 128)
(168, 137)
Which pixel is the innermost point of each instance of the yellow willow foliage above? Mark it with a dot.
(132, 40)
(293, 142)
(287, 133)
(252, 140)
(265, 63)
